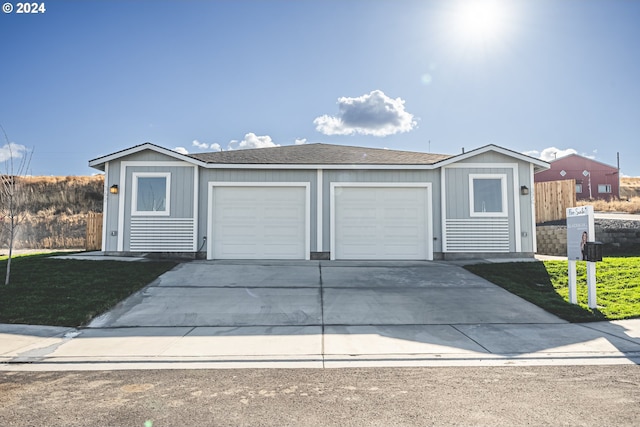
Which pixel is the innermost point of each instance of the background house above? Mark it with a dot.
(594, 180)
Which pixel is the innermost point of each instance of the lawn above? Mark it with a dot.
(546, 285)
(64, 292)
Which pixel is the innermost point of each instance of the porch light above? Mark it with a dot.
(524, 190)
(113, 189)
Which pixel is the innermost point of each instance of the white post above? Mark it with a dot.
(573, 294)
(591, 284)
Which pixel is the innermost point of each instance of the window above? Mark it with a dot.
(604, 188)
(579, 188)
(488, 195)
(151, 193)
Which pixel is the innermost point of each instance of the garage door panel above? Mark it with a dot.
(380, 223)
(256, 222)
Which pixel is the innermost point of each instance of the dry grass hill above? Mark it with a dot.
(55, 210)
(629, 187)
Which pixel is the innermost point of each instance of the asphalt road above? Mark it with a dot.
(504, 396)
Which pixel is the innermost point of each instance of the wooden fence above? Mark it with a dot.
(553, 198)
(94, 232)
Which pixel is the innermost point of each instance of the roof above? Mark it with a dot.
(570, 157)
(323, 154)
(316, 155)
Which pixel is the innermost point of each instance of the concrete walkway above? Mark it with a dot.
(319, 314)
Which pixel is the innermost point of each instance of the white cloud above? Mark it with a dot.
(181, 150)
(204, 146)
(300, 141)
(200, 145)
(371, 114)
(550, 153)
(251, 140)
(12, 150)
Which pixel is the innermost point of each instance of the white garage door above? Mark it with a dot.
(258, 222)
(380, 223)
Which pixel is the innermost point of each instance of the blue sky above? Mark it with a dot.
(88, 78)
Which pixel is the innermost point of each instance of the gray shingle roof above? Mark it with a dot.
(320, 154)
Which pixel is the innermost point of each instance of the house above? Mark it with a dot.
(319, 201)
(594, 180)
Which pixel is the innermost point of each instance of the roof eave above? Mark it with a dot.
(99, 163)
(539, 165)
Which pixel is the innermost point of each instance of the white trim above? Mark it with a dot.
(517, 228)
(307, 217)
(105, 207)
(319, 205)
(95, 163)
(443, 208)
(196, 205)
(121, 202)
(428, 213)
(134, 193)
(503, 188)
(532, 194)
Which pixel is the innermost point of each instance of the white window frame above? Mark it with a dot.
(134, 194)
(607, 188)
(579, 188)
(503, 188)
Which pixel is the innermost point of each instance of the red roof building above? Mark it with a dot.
(594, 180)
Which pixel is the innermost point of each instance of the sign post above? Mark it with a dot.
(581, 232)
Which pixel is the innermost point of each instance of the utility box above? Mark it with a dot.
(594, 251)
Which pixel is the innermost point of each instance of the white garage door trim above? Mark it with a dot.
(429, 208)
(210, 213)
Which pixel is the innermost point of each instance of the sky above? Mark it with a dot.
(83, 79)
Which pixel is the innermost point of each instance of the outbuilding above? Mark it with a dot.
(319, 201)
(594, 180)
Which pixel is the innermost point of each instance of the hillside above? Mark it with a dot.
(629, 187)
(55, 211)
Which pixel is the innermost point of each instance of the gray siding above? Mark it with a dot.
(110, 242)
(457, 195)
(181, 195)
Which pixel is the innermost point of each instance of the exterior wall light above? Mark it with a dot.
(524, 190)
(113, 189)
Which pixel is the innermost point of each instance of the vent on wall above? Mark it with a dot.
(477, 235)
(162, 235)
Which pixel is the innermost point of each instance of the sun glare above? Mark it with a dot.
(479, 23)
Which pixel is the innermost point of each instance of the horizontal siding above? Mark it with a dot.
(477, 235)
(162, 234)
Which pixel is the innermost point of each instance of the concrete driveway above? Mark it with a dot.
(327, 294)
(318, 314)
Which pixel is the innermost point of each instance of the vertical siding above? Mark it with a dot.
(113, 203)
(457, 195)
(526, 208)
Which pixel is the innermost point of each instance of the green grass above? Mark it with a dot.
(546, 285)
(62, 292)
